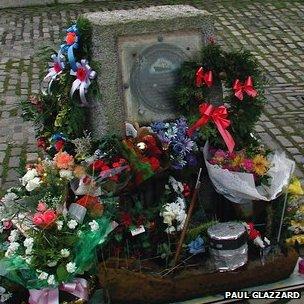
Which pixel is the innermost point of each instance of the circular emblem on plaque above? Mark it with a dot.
(153, 76)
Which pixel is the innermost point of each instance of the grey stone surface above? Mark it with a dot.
(120, 38)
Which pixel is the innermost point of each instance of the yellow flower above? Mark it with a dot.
(295, 187)
(260, 165)
(237, 161)
(299, 238)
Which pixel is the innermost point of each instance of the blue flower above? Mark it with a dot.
(197, 246)
(191, 160)
(58, 136)
(158, 126)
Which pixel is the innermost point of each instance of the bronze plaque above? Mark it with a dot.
(154, 76)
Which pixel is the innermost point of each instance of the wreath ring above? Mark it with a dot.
(235, 73)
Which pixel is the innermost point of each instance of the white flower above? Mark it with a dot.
(65, 252)
(30, 174)
(28, 251)
(51, 263)
(174, 211)
(13, 235)
(94, 225)
(71, 267)
(72, 224)
(12, 248)
(43, 276)
(28, 242)
(28, 260)
(5, 296)
(33, 184)
(51, 280)
(9, 198)
(59, 225)
(176, 185)
(67, 174)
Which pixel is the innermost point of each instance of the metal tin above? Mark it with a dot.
(228, 245)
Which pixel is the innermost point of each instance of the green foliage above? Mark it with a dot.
(226, 68)
(193, 233)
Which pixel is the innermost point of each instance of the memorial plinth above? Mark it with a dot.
(139, 52)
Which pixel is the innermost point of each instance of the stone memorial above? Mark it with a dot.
(139, 52)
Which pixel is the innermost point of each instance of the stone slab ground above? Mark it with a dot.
(272, 30)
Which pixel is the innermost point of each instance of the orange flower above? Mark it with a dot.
(40, 169)
(63, 160)
(79, 171)
(92, 203)
(260, 165)
(70, 38)
(87, 200)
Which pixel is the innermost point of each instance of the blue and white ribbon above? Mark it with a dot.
(71, 43)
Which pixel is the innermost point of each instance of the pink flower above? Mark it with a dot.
(248, 165)
(49, 217)
(45, 219)
(7, 224)
(38, 219)
(41, 206)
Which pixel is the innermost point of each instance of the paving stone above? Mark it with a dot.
(14, 162)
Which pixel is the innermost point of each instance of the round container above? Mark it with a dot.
(228, 245)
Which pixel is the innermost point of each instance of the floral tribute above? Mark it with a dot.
(133, 199)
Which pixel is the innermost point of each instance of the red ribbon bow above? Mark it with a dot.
(202, 77)
(219, 117)
(247, 87)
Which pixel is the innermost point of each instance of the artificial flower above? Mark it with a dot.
(43, 276)
(14, 235)
(295, 187)
(71, 267)
(45, 219)
(67, 174)
(197, 246)
(65, 252)
(33, 184)
(51, 280)
(260, 165)
(63, 160)
(247, 165)
(126, 219)
(42, 143)
(94, 225)
(30, 175)
(59, 225)
(72, 224)
(42, 206)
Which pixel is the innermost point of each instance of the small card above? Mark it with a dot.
(138, 230)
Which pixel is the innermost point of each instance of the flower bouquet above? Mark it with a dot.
(241, 177)
(53, 236)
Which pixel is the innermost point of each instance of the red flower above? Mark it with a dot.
(187, 190)
(97, 165)
(154, 162)
(42, 143)
(59, 144)
(81, 74)
(86, 180)
(140, 221)
(126, 219)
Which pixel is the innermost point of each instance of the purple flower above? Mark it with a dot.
(191, 159)
(179, 148)
(197, 246)
(158, 126)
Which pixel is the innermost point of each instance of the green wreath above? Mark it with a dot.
(226, 68)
